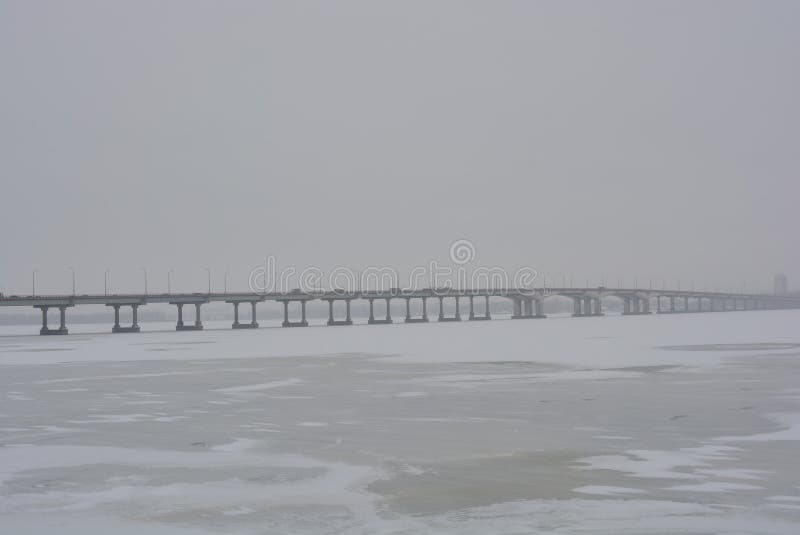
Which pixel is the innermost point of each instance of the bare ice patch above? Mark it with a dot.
(715, 486)
(660, 464)
(259, 387)
(791, 422)
(607, 490)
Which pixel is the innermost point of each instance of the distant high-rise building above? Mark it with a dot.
(781, 284)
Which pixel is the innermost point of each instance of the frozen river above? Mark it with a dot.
(645, 424)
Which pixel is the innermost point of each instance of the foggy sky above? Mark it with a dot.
(597, 139)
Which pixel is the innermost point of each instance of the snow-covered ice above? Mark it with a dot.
(647, 424)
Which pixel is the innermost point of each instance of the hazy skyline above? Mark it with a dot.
(610, 140)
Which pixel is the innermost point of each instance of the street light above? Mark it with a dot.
(226, 283)
(209, 280)
(106, 281)
(33, 275)
(144, 270)
(73, 280)
(169, 281)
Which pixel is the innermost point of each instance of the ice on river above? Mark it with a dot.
(644, 424)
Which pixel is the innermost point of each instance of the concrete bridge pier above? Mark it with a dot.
(472, 316)
(456, 317)
(253, 323)
(62, 329)
(597, 307)
(635, 305)
(198, 322)
(528, 308)
(333, 321)
(540, 308)
(670, 309)
(134, 327)
(420, 319)
(382, 321)
(686, 304)
(576, 307)
(303, 321)
(516, 312)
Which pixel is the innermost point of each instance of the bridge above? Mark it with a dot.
(527, 303)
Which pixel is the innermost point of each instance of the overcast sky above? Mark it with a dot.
(597, 139)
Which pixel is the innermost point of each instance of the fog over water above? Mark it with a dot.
(598, 140)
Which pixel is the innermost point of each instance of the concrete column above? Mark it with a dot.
(347, 304)
(63, 316)
(286, 312)
(441, 307)
(646, 305)
(517, 307)
(672, 303)
(44, 318)
(699, 304)
(587, 306)
(539, 308)
(371, 309)
(458, 309)
(626, 305)
(598, 307)
(253, 313)
(303, 311)
(425, 308)
(527, 306)
(636, 305)
(471, 307)
(576, 306)
(658, 304)
(116, 316)
(388, 309)
(408, 308)
(330, 311)
(235, 314)
(135, 316)
(198, 321)
(686, 304)
(180, 314)
(487, 313)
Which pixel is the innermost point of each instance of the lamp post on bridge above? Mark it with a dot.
(105, 282)
(144, 270)
(33, 276)
(225, 287)
(209, 280)
(73, 280)
(169, 281)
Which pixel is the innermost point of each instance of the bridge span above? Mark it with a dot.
(527, 303)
